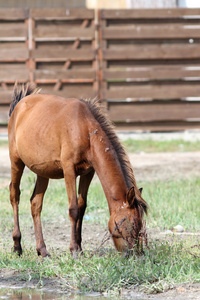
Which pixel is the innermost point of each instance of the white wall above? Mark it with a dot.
(151, 3)
(106, 4)
(131, 3)
(189, 3)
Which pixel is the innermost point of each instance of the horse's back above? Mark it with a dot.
(43, 116)
(47, 130)
(38, 107)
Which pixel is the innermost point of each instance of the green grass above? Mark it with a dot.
(166, 263)
(3, 143)
(149, 145)
(159, 269)
(173, 202)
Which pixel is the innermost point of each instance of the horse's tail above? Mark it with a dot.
(21, 91)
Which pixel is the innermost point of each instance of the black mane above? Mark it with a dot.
(122, 156)
(20, 92)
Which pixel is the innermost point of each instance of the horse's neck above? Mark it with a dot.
(108, 169)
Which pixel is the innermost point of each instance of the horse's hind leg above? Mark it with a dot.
(84, 183)
(36, 208)
(17, 168)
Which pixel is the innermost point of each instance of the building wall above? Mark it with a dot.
(152, 3)
(189, 3)
(107, 4)
(131, 3)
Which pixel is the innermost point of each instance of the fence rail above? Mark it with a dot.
(144, 65)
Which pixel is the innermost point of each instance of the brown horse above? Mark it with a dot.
(55, 138)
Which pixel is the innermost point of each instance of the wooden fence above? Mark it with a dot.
(151, 67)
(63, 54)
(144, 65)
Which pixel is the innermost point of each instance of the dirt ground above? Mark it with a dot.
(163, 166)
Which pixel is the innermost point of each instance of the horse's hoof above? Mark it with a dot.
(18, 250)
(75, 255)
(43, 253)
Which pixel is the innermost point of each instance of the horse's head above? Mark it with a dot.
(126, 222)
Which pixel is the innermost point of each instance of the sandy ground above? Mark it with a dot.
(163, 166)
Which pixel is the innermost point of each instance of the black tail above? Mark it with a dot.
(21, 91)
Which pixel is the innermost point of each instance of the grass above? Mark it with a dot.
(3, 143)
(151, 146)
(162, 266)
(166, 262)
(173, 202)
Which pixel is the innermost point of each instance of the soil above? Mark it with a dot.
(162, 166)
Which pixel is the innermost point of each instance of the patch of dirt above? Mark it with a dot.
(165, 166)
(147, 166)
(179, 292)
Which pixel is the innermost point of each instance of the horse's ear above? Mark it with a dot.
(131, 196)
(141, 189)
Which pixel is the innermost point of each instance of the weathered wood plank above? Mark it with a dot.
(13, 14)
(5, 98)
(4, 115)
(171, 13)
(152, 73)
(13, 30)
(152, 91)
(158, 126)
(71, 91)
(62, 14)
(64, 74)
(162, 51)
(16, 74)
(166, 31)
(154, 111)
(57, 32)
(60, 81)
(14, 54)
(12, 45)
(60, 55)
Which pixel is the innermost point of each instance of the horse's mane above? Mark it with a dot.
(124, 161)
(21, 91)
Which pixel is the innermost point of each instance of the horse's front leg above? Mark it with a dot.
(17, 168)
(36, 208)
(84, 183)
(70, 182)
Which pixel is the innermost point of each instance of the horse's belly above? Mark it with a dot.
(51, 169)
